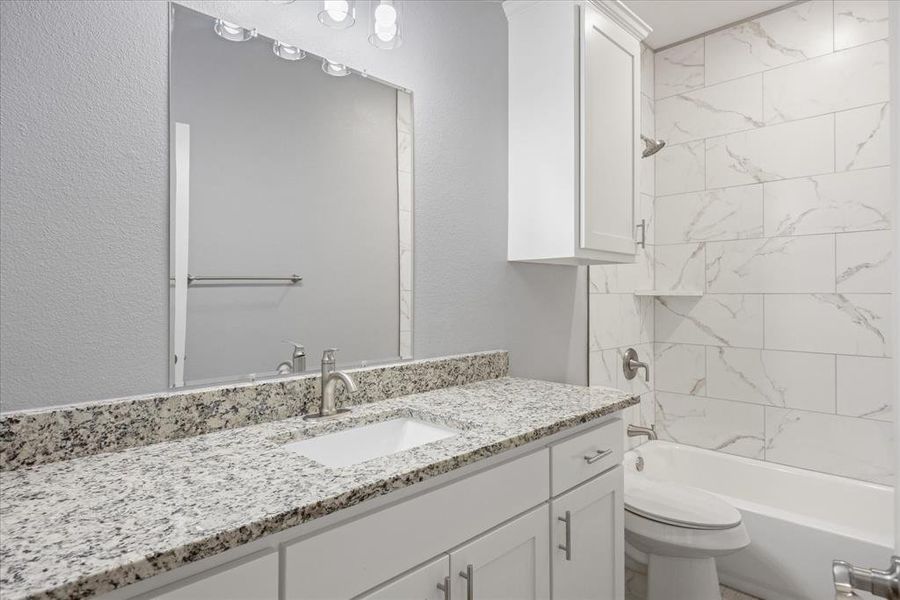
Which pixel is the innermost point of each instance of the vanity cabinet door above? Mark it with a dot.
(420, 584)
(610, 159)
(509, 563)
(589, 523)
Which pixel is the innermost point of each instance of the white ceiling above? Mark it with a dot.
(676, 20)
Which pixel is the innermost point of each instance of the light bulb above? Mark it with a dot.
(385, 31)
(385, 13)
(287, 52)
(337, 9)
(334, 69)
(337, 14)
(385, 24)
(231, 32)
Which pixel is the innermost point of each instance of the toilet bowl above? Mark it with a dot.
(678, 531)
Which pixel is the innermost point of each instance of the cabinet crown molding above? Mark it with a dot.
(614, 9)
(623, 16)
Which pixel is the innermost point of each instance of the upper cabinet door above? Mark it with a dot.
(610, 112)
(574, 130)
(510, 563)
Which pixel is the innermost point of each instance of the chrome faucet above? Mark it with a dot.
(637, 431)
(329, 381)
(631, 363)
(297, 363)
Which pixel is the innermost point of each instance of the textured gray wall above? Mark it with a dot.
(84, 193)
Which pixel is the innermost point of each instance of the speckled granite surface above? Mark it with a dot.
(79, 527)
(43, 436)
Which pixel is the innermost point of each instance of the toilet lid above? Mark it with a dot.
(678, 505)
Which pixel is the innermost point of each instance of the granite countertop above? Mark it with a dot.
(88, 525)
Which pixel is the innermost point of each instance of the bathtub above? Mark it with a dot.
(798, 520)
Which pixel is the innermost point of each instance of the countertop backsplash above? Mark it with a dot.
(34, 437)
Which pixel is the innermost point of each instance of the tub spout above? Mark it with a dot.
(848, 579)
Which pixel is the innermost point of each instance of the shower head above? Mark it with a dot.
(651, 147)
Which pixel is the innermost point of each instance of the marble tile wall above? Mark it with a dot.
(773, 199)
(618, 319)
(405, 216)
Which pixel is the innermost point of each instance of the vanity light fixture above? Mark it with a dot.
(338, 14)
(384, 24)
(334, 69)
(233, 33)
(287, 52)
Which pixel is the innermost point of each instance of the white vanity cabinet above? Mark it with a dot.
(574, 130)
(509, 562)
(421, 584)
(589, 542)
(487, 531)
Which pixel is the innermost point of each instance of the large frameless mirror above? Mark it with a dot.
(291, 208)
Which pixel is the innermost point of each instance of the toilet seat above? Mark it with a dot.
(678, 505)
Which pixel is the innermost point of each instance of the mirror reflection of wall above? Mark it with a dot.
(291, 171)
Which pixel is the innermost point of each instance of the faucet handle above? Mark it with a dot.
(297, 346)
(328, 354)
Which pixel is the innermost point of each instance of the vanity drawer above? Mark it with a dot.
(581, 457)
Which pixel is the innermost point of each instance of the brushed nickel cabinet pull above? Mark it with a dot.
(600, 454)
(469, 576)
(568, 545)
(445, 587)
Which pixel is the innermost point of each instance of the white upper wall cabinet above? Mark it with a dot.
(574, 127)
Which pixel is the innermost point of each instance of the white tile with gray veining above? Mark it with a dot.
(680, 168)
(858, 448)
(679, 267)
(846, 79)
(794, 149)
(101, 522)
(859, 22)
(864, 387)
(864, 262)
(648, 119)
(838, 202)
(679, 69)
(603, 367)
(720, 214)
(795, 34)
(711, 111)
(624, 278)
(771, 265)
(857, 324)
(716, 319)
(680, 368)
(732, 427)
(619, 320)
(647, 75)
(785, 379)
(862, 137)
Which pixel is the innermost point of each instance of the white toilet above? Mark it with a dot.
(677, 531)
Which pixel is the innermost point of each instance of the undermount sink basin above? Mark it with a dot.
(359, 444)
